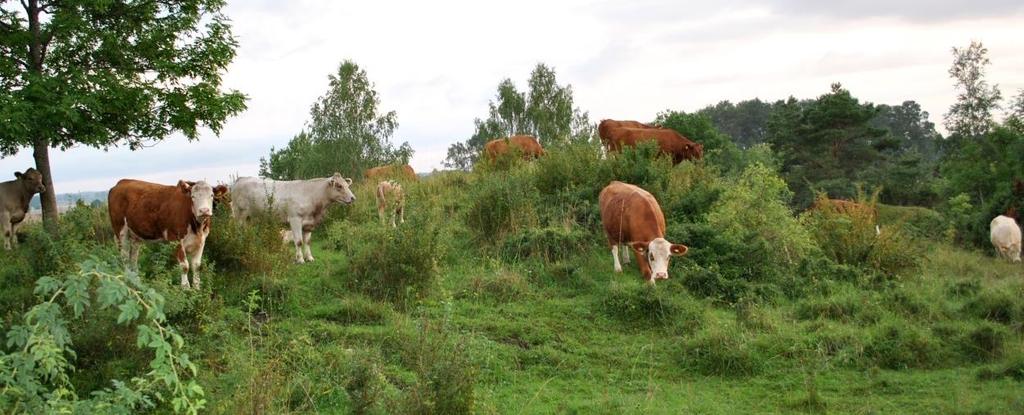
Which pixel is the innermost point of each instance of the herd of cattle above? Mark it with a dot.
(142, 211)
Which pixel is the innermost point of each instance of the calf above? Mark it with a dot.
(1005, 235)
(15, 196)
(632, 217)
(301, 204)
(142, 211)
(390, 190)
(527, 145)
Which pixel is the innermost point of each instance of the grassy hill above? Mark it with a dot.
(497, 296)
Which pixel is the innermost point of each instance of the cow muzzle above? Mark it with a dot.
(661, 276)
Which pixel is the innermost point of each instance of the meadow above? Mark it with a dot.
(498, 296)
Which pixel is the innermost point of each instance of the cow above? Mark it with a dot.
(669, 141)
(390, 197)
(1005, 236)
(527, 145)
(391, 171)
(147, 212)
(604, 128)
(633, 218)
(15, 196)
(300, 204)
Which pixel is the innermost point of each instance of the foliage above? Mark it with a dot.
(550, 243)
(35, 373)
(501, 205)
(253, 247)
(643, 305)
(99, 73)
(346, 132)
(971, 116)
(545, 111)
(745, 122)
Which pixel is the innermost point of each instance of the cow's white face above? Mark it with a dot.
(658, 252)
(338, 189)
(202, 197)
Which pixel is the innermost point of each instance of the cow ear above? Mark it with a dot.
(220, 190)
(185, 187)
(18, 174)
(640, 247)
(678, 249)
(348, 180)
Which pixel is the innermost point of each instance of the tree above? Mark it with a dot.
(1015, 113)
(107, 73)
(971, 116)
(746, 121)
(546, 112)
(909, 124)
(346, 132)
(827, 144)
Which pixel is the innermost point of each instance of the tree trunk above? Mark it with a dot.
(41, 147)
(48, 197)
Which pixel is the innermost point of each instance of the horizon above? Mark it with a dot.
(624, 61)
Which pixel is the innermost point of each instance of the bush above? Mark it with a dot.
(365, 383)
(650, 306)
(250, 248)
(717, 352)
(393, 264)
(551, 243)
(917, 221)
(849, 237)
(87, 223)
(1014, 369)
(996, 305)
(445, 378)
(984, 343)
(501, 204)
(849, 306)
(901, 345)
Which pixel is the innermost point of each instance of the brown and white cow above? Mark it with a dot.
(527, 145)
(15, 196)
(392, 171)
(618, 134)
(142, 211)
(390, 197)
(301, 204)
(632, 217)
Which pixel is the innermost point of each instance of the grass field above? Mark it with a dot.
(430, 319)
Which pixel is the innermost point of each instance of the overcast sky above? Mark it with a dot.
(438, 63)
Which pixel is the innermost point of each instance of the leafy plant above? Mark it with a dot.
(35, 374)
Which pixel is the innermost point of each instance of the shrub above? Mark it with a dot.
(917, 221)
(901, 345)
(984, 343)
(501, 204)
(550, 243)
(996, 305)
(445, 378)
(87, 223)
(650, 306)
(1014, 369)
(717, 352)
(850, 237)
(252, 247)
(393, 264)
(365, 383)
(849, 306)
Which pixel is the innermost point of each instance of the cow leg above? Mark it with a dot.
(394, 215)
(401, 212)
(615, 257)
(196, 261)
(296, 225)
(14, 234)
(625, 254)
(380, 213)
(125, 244)
(8, 229)
(183, 262)
(305, 245)
(133, 254)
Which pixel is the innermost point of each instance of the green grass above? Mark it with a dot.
(568, 335)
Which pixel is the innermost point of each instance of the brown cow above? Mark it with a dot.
(391, 171)
(390, 197)
(671, 142)
(15, 196)
(604, 128)
(526, 144)
(632, 217)
(142, 211)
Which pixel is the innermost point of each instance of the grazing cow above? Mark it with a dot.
(392, 190)
(529, 147)
(632, 217)
(669, 141)
(301, 204)
(605, 127)
(392, 171)
(142, 211)
(1005, 235)
(14, 198)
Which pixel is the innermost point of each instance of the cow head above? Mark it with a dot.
(202, 197)
(338, 189)
(32, 180)
(658, 252)
(221, 195)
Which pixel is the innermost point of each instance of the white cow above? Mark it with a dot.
(300, 204)
(1005, 234)
(391, 198)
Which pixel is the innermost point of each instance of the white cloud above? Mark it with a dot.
(438, 63)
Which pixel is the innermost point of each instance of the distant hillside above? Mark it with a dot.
(68, 199)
